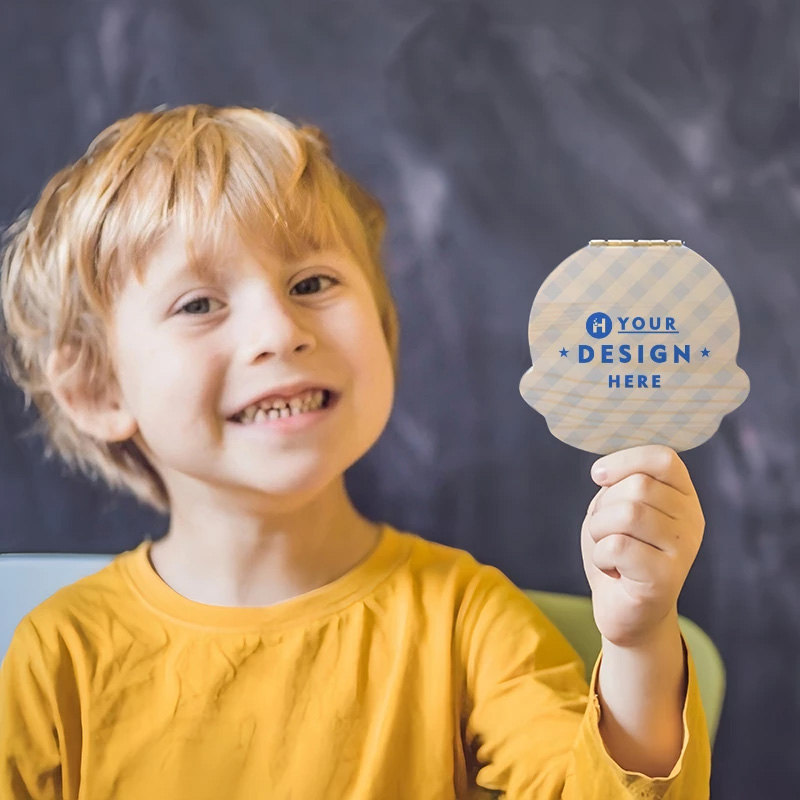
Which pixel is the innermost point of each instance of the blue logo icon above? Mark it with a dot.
(598, 325)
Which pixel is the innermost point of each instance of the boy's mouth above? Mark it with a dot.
(305, 403)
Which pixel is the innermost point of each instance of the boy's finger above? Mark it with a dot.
(641, 488)
(636, 520)
(631, 558)
(656, 460)
(594, 503)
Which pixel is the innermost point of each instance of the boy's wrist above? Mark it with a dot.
(641, 690)
(654, 640)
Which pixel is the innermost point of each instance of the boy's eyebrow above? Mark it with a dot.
(202, 268)
(208, 266)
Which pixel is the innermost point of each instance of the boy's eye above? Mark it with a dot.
(194, 303)
(311, 284)
(314, 281)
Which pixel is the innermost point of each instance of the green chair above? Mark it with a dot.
(572, 615)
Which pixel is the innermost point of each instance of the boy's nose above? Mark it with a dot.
(275, 326)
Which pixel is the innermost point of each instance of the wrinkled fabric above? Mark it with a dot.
(420, 673)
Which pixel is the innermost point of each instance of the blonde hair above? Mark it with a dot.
(201, 168)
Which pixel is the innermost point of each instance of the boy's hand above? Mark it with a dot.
(640, 536)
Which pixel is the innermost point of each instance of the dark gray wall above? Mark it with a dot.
(501, 137)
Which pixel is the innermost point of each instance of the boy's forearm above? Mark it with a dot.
(642, 690)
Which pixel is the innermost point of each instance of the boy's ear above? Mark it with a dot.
(99, 412)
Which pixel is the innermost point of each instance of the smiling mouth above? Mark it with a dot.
(329, 399)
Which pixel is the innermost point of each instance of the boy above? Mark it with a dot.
(198, 309)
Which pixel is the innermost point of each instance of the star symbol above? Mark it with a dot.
(705, 352)
(563, 352)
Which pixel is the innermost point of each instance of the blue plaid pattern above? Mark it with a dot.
(633, 280)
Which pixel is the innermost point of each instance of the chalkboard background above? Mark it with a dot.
(501, 136)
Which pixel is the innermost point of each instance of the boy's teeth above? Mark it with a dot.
(305, 401)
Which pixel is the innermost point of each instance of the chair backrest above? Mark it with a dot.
(28, 579)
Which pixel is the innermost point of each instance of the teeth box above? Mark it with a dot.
(634, 342)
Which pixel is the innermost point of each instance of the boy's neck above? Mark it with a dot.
(250, 562)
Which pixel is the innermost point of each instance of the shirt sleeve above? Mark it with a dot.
(529, 725)
(39, 718)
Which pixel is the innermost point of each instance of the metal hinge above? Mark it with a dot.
(635, 243)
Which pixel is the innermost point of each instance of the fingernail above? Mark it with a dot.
(599, 473)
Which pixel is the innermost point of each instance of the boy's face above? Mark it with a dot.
(183, 371)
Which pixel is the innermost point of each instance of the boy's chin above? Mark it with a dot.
(284, 495)
(288, 471)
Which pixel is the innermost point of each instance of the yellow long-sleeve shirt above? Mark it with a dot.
(420, 673)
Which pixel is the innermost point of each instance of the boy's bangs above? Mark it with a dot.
(217, 185)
